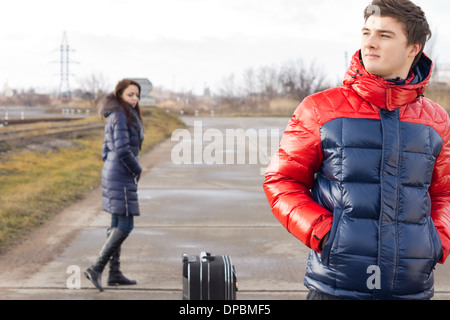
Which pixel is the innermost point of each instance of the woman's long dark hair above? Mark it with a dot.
(126, 108)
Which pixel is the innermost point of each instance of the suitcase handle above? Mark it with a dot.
(206, 256)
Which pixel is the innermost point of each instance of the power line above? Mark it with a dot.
(64, 91)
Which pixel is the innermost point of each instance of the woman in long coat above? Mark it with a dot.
(124, 134)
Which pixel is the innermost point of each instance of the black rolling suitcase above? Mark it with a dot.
(208, 277)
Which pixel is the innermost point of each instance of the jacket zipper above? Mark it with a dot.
(382, 184)
(126, 200)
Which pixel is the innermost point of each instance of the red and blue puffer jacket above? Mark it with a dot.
(369, 163)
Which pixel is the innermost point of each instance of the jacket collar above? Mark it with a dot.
(384, 93)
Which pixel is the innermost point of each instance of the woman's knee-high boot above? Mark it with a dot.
(112, 244)
(116, 276)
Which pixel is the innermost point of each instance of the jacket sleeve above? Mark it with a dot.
(290, 177)
(440, 194)
(121, 143)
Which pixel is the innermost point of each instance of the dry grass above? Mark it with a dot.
(440, 94)
(36, 185)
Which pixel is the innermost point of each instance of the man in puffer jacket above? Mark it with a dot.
(362, 175)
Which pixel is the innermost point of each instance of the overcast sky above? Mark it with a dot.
(184, 44)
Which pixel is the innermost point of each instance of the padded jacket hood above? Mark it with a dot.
(386, 93)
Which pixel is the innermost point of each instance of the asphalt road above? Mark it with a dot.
(198, 193)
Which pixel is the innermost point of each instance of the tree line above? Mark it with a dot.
(257, 88)
(91, 89)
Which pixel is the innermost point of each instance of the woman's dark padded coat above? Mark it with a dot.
(120, 150)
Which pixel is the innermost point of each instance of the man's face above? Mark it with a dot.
(384, 48)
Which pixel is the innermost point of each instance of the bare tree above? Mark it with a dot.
(230, 94)
(430, 50)
(94, 88)
(268, 82)
(250, 84)
(293, 80)
(299, 81)
(227, 87)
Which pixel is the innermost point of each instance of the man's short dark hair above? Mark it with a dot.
(410, 15)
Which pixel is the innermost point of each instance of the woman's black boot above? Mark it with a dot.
(112, 244)
(116, 277)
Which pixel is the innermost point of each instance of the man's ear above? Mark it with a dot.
(415, 49)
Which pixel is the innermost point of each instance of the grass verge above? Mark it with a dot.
(36, 185)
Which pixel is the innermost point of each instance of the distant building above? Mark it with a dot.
(7, 91)
(146, 88)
